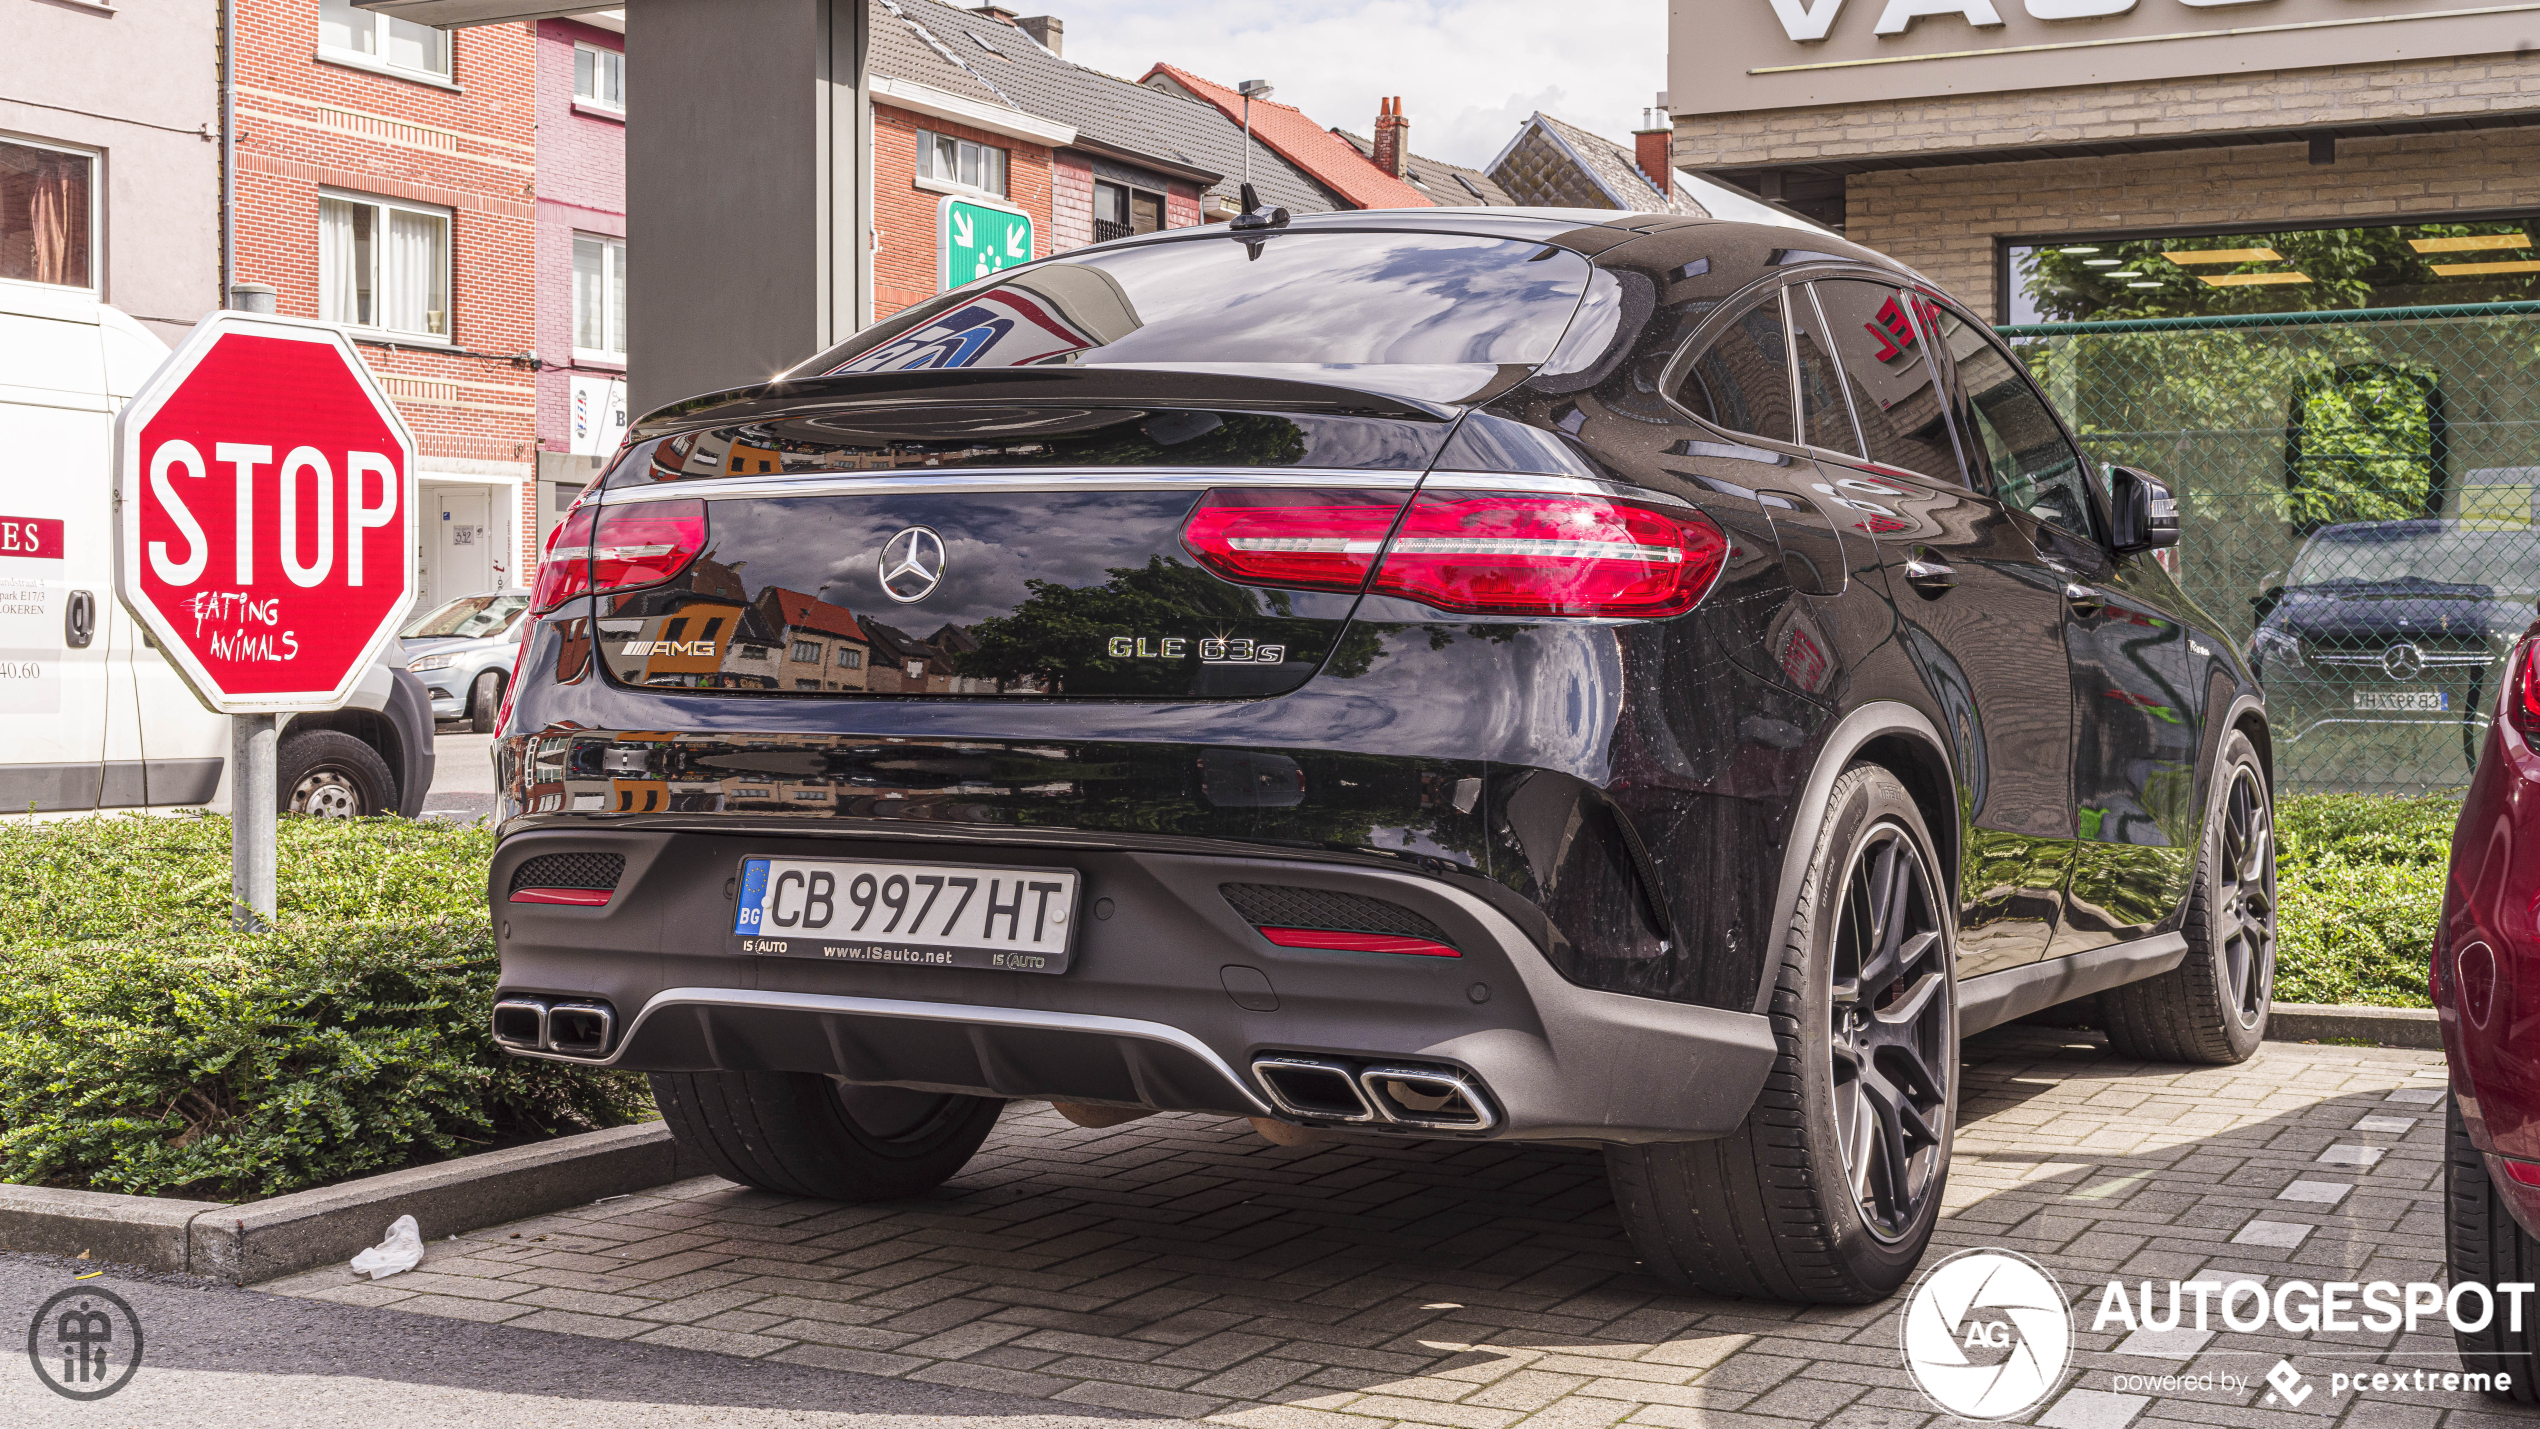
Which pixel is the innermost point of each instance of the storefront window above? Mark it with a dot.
(44, 215)
(2093, 278)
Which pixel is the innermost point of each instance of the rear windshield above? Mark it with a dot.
(1320, 298)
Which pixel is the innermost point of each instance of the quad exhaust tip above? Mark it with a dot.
(555, 1028)
(1431, 1098)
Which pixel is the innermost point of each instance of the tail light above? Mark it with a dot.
(1472, 552)
(615, 548)
(2522, 707)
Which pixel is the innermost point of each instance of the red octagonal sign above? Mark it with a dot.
(265, 513)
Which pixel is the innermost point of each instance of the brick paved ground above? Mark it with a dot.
(1179, 1265)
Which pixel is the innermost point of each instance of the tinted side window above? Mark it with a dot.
(1904, 421)
(2030, 464)
(1742, 381)
(1823, 420)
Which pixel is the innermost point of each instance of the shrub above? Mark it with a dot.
(146, 1048)
(2360, 883)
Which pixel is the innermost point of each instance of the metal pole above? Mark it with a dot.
(253, 739)
(1247, 138)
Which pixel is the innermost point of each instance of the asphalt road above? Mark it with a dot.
(224, 1358)
(462, 775)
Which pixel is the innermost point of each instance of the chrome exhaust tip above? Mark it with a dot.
(1436, 1097)
(520, 1024)
(1313, 1091)
(580, 1029)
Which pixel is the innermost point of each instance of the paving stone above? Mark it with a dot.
(2093, 1409)
(2283, 1234)
(2320, 1192)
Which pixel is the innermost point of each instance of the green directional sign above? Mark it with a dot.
(979, 237)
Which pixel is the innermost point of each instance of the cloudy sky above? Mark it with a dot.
(1469, 71)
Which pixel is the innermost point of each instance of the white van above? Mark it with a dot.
(91, 715)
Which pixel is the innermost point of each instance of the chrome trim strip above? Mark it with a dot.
(946, 1012)
(1557, 485)
(963, 480)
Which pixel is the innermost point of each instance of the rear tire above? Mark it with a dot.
(2212, 1008)
(2487, 1245)
(484, 701)
(805, 1134)
(332, 775)
(1828, 1192)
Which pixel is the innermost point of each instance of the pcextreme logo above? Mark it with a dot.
(1987, 1334)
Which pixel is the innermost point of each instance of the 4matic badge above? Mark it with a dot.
(1212, 651)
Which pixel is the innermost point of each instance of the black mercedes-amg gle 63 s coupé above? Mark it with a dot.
(1614, 680)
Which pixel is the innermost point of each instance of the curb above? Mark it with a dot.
(2414, 1027)
(258, 1240)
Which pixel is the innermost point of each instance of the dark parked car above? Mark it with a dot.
(2395, 623)
(1649, 683)
(2486, 985)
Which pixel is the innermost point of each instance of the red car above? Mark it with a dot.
(2486, 985)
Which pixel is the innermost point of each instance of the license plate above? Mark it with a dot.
(915, 914)
(2403, 701)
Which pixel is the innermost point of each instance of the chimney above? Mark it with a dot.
(998, 13)
(1653, 145)
(1393, 136)
(1048, 29)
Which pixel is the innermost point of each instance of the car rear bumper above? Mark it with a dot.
(1172, 999)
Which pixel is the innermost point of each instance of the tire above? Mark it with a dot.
(1817, 1197)
(2212, 1008)
(2486, 1245)
(332, 775)
(484, 701)
(805, 1134)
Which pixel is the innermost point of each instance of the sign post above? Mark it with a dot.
(979, 236)
(265, 536)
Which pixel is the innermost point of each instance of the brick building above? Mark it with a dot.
(385, 181)
(581, 253)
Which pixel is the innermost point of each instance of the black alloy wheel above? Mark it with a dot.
(2212, 1007)
(2243, 917)
(1891, 1042)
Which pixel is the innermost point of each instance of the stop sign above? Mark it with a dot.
(265, 512)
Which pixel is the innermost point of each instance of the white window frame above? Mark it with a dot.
(929, 177)
(378, 57)
(449, 265)
(96, 198)
(612, 284)
(604, 57)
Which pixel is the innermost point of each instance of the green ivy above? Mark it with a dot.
(146, 1048)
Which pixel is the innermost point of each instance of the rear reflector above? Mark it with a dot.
(2528, 1173)
(1336, 941)
(1475, 553)
(570, 897)
(2525, 708)
(625, 548)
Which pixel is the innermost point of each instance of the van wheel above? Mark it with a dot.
(2488, 1247)
(331, 774)
(484, 702)
(1828, 1191)
(2212, 1007)
(804, 1134)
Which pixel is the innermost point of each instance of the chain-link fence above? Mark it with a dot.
(2359, 494)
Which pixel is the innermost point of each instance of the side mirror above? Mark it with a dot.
(2146, 513)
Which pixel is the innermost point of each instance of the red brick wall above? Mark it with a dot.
(906, 251)
(1181, 205)
(581, 188)
(306, 123)
(1071, 201)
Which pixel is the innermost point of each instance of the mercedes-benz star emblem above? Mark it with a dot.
(2403, 662)
(912, 564)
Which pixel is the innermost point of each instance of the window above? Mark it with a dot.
(959, 162)
(2024, 453)
(1903, 421)
(45, 215)
(806, 652)
(381, 42)
(1824, 418)
(385, 265)
(850, 659)
(1742, 381)
(2094, 277)
(599, 77)
(1120, 211)
(599, 297)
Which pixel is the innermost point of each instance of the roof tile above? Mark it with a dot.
(1311, 147)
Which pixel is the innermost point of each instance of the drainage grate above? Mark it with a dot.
(1271, 905)
(569, 870)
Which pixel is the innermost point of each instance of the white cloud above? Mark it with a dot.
(1469, 71)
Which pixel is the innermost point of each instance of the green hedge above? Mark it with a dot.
(146, 1048)
(2360, 880)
